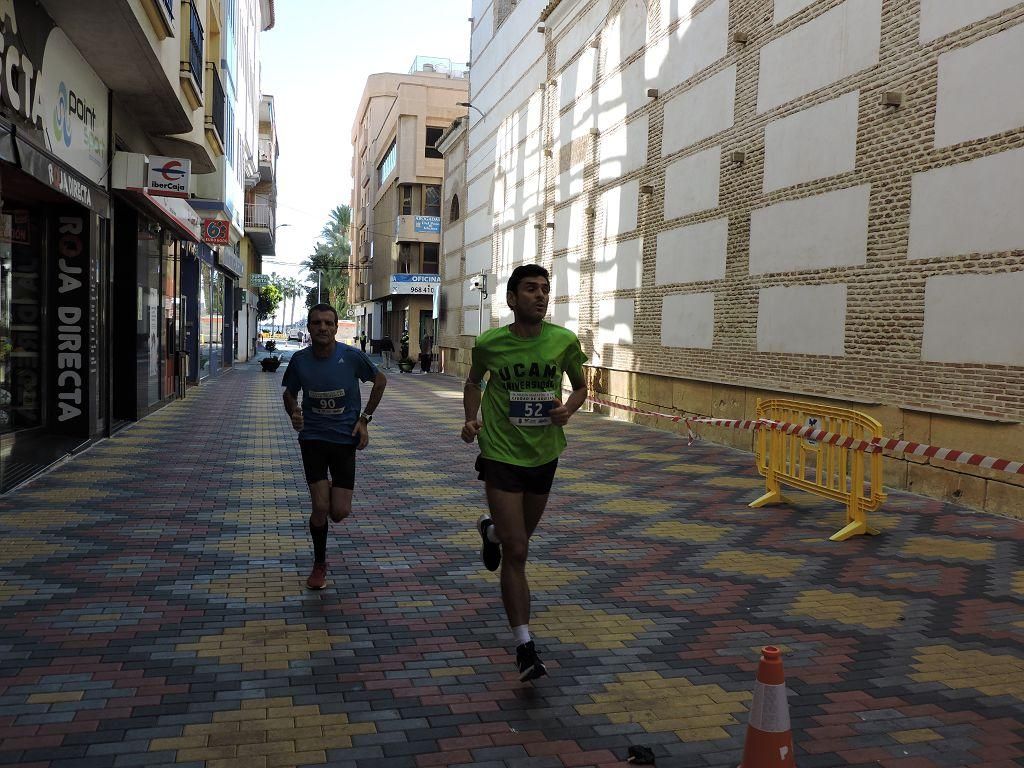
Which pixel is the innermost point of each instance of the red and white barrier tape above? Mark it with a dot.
(832, 438)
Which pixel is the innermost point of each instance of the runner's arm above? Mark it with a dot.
(579, 390)
(293, 409)
(471, 394)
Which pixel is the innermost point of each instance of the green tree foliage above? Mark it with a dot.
(331, 259)
(269, 297)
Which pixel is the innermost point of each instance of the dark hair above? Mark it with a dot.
(321, 308)
(524, 271)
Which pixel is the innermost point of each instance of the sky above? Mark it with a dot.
(316, 60)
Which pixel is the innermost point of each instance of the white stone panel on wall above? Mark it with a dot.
(619, 266)
(625, 33)
(692, 254)
(828, 230)
(483, 29)
(452, 239)
(570, 223)
(478, 258)
(818, 142)
(470, 321)
(688, 320)
(453, 265)
(699, 112)
(828, 48)
(580, 33)
(678, 8)
(570, 183)
(470, 298)
(565, 276)
(786, 8)
(494, 69)
(620, 205)
(577, 79)
(620, 95)
(939, 17)
(479, 193)
(623, 150)
(972, 207)
(974, 319)
(695, 45)
(614, 324)
(980, 91)
(802, 320)
(567, 315)
(524, 244)
(691, 183)
(479, 225)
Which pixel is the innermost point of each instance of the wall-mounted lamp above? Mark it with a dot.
(595, 43)
(652, 93)
(646, 189)
(548, 152)
(590, 211)
(737, 156)
(595, 132)
(550, 225)
(470, 106)
(892, 99)
(541, 28)
(471, 20)
(740, 37)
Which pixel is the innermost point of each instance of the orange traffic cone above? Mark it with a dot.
(769, 741)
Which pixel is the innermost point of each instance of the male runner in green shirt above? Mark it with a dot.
(521, 436)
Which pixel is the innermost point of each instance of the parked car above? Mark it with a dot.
(295, 334)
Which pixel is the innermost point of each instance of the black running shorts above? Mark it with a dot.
(516, 479)
(319, 456)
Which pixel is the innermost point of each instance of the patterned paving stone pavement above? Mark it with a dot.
(152, 609)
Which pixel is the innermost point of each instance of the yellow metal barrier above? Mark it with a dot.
(846, 475)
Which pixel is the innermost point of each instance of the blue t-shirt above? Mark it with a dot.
(331, 400)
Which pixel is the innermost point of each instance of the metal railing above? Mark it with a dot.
(169, 7)
(195, 45)
(259, 215)
(218, 102)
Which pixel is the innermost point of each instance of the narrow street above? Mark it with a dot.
(153, 609)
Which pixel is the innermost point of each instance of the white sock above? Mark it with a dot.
(521, 634)
(492, 535)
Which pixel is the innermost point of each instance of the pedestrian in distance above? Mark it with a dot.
(521, 437)
(331, 422)
(387, 352)
(362, 342)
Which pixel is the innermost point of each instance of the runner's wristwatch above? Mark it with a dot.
(367, 417)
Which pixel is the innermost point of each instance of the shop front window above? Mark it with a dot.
(21, 329)
(148, 333)
(216, 320)
(205, 309)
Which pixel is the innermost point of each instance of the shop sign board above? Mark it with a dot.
(411, 284)
(216, 231)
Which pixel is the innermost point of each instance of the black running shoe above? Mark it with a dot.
(490, 552)
(530, 665)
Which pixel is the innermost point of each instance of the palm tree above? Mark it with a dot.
(333, 277)
(293, 289)
(335, 233)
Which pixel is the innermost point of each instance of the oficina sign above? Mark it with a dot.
(168, 176)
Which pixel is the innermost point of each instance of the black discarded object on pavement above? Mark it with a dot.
(270, 364)
(640, 755)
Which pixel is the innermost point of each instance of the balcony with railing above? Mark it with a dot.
(215, 105)
(266, 159)
(260, 226)
(191, 71)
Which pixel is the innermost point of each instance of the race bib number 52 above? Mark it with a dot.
(530, 409)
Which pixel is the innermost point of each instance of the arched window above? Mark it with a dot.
(455, 213)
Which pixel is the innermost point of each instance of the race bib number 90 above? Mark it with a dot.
(327, 403)
(530, 409)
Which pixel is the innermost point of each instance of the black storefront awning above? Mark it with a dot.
(42, 165)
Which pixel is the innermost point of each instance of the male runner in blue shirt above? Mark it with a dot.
(330, 423)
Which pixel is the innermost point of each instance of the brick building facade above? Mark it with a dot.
(818, 199)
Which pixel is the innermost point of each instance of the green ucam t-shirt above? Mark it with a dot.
(525, 377)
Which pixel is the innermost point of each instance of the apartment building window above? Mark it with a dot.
(432, 200)
(387, 165)
(405, 200)
(195, 46)
(431, 260)
(454, 212)
(218, 102)
(433, 134)
(169, 7)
